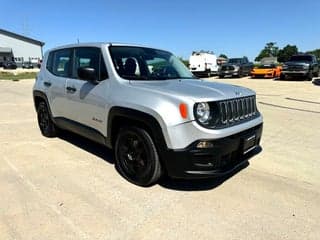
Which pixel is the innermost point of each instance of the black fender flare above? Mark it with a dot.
(134, 116)
(43, 96)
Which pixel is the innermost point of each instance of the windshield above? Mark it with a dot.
(235, 60)
(301, 58)
(139, 63)
(267, 66)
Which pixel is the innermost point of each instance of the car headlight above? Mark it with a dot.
(236, 67)
(284, 66)
(305, 66)
(202, 112)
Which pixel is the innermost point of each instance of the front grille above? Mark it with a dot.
(227, 68)
(295, 68)
(237, 110)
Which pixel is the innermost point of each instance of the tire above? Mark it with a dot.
(221, 76)
(309, 76)
(240, 74)
(46, 125)
(136, 157)
(282, 76)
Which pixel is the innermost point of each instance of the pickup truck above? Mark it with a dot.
(302, 65)
(236, 67)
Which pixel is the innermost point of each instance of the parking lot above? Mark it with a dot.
(68, 188)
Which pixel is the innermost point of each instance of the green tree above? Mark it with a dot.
(285, 53)
(316, 52)
(270, 50)
(184, 61)
(223, 56)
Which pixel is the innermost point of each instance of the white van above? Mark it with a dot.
(203, 63)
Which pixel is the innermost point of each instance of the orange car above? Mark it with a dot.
(266, 71)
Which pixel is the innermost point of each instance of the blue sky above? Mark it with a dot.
(236, 28)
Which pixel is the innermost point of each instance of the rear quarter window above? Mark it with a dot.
(59, 62)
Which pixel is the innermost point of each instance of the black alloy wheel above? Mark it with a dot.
(136, 156)
(45, 123)
(240, 74)
(282, 76)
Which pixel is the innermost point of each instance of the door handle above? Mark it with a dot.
(71, 89)
(47, 84)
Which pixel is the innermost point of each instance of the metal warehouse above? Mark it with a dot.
(18, 48)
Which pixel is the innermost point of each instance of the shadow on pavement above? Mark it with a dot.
(106, 154)
(316, 81)
(292, 79)
(94, 148)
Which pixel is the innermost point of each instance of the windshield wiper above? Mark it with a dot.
(132, 77)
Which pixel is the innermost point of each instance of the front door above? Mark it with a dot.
(87, 100)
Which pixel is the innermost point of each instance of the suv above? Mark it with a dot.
(149, 108)
(236, 67)
(303, 65)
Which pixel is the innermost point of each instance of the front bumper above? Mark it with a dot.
(225, 156)
(262, 75)
(302, 73)
(229, 72)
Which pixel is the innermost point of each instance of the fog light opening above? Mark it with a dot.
(204, 144)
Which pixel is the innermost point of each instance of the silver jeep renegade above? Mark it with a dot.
(146, 105)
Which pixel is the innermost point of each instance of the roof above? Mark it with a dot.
(100, 44)
(20, 37)
(5, 50)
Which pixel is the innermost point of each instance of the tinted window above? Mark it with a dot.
(49, 62)
(89, 57)
(301, 58)
(139, 63)
(235, 60)
(61, 60)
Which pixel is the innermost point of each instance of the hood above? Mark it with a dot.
(297, 63)
(231, 64)
(196, 90)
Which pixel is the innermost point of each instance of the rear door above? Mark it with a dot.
(54, 80)
(87, 100)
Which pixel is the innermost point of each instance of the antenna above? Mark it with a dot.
(78, 40)
(25, 27)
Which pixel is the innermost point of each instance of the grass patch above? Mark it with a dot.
(18, 76)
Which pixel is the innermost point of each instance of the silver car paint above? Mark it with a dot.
(160, 99)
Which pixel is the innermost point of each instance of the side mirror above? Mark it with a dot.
(86, 73)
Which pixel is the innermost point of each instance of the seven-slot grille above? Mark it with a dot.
(237, 110)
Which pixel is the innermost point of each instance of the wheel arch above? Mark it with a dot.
(39, 96)
(122, 116)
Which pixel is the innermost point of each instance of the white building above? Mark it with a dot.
(18, 48)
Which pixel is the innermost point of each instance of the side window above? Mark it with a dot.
(60, 62)
(90, 57)
(49, 62)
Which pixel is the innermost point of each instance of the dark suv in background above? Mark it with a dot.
(236, 67)
(302, 65)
